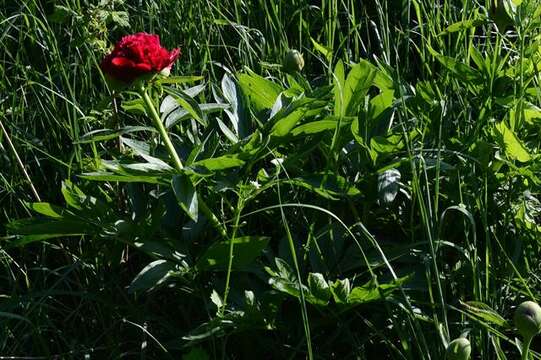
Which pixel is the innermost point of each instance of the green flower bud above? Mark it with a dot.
(528, 319)
(458, 349)
(293, 61)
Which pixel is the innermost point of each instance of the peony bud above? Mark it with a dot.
(458, 349)
(293, 61)
(166, 71)
(528, 319)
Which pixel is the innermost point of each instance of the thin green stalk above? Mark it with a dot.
(238, 211)
(161, 129)
(526, 348)
(20, 162)
(304, 311)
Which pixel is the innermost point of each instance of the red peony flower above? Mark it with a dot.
(136, 55)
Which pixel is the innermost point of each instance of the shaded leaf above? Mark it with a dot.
(151, 276)
(245, 250)
(186, 195)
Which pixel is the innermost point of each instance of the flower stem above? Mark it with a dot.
(526, 348)
(161, 129)
(176, 159)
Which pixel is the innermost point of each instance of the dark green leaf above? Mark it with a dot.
(245, 250)
(152, 275)
(186, 195)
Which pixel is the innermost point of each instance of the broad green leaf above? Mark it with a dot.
(261, 92)
(530, 113)
(180, 114)
(47, 209)
(358, 81)
(315, 127)
(283, 126)
(285, 280)
(32, 229)
(187, 104)
(340, 290)
(219, 163)
(510, 143)
(151, 276)
(147, 169)
(339, 81)
(246, 249)
(73, 196)
(238, 114)
(380, 103)
(370, 292)
(186, 195)
(319, 288)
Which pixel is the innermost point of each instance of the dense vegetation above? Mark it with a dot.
(382, 201)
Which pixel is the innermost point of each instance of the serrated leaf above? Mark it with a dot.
(319, 288)
(340, 290)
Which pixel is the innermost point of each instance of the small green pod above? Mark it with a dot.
(528, 319)
(293, 61)
(458, 349)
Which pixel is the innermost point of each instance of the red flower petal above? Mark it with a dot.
(138, 54)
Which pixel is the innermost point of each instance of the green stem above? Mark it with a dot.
(240, 205)
(176, 159)
(526, 348)
(161, 129)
